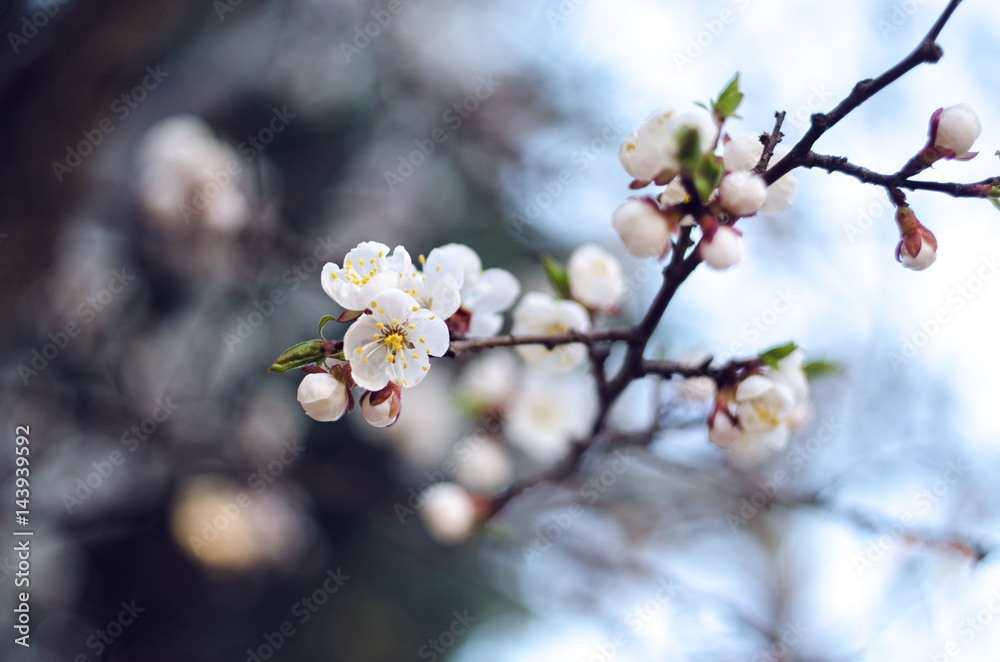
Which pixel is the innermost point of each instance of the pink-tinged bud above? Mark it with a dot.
(723, 430)
(642, 228)
(953, 130)
(449, 513)
(917, 248)
(721, 247)
(381, 408)
(742, 193)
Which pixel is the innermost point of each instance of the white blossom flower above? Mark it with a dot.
(394, 341)
(485, 295)
(595, 277)
(482, 464)
(185, 173)
(368, 270)
(780, 193)
(742, 152)
(954, 130)
(650, 151)
(540, 314)
(721, 247)
(381, 408)
(764, 407)
(323, 397)
(438, 286)
(642, 228)
(791, 373)
(448, 512)
(742, 193)
(549, 413)
(488, 381)
(674, 194)
(723, 430)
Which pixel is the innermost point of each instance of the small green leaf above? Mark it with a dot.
(701, 104)
(297, 356)
(815, 369)
(322, 322)
(994, 202)
(729, 99)
(770, 357)
(707, 175)
(557, 275)
(688, 148)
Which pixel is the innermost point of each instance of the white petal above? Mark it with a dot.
(493, 292)
(485, 325)
(431, 333)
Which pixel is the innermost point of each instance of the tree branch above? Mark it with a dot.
(862, 174)
(928, 51)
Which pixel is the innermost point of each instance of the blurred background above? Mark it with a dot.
(174, 176)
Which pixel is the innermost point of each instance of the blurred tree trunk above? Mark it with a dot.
(58, 83)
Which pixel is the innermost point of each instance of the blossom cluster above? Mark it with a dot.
(655, 153)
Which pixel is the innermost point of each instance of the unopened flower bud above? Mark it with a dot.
(721, 247)
(917, 248)
(723, 430)
(323, 397)
(381, 408)
(742, 193)
(642, 228)
(953, 131)
(595, 277)
(742, 152)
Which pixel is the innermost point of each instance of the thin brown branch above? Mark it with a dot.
(928, 51)
(550, 341)
(770, 141)
(862, 174)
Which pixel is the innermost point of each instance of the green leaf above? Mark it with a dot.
(770, 357)
(688, 149)
(707, 175)
(994, 202)
(297, 356)
(322, 322)
(701, 105)
(815, 369)
(729, 99)
(557, 275)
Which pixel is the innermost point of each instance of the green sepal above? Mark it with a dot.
(815, 369)
(323, 322)
(557, 275)
(770, 357)
(297, 356)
